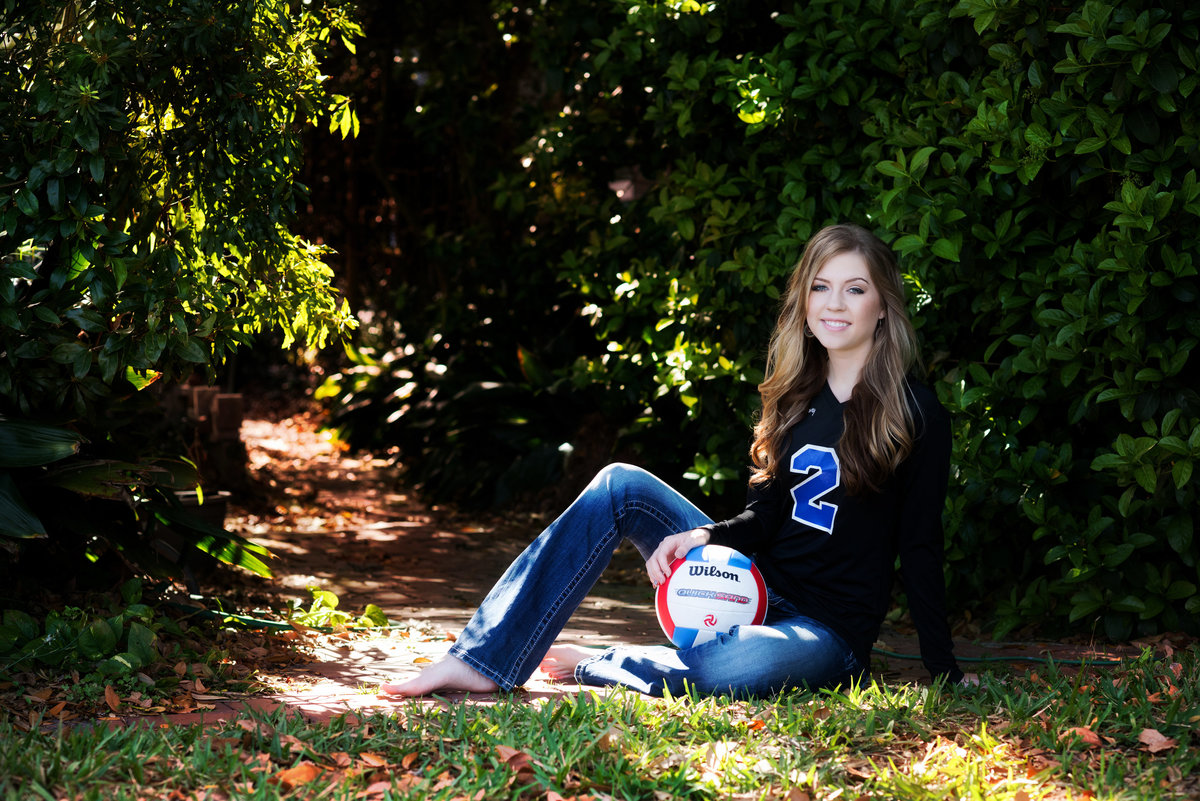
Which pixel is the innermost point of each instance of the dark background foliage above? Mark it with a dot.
(564, 229)
(561, 215)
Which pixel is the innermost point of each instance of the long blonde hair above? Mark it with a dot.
(879, 426)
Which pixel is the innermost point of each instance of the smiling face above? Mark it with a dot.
(844, 307)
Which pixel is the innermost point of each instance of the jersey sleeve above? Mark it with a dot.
(753, 529)
(924, 477)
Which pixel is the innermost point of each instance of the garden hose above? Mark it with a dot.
(1047, 660)
(254, 622)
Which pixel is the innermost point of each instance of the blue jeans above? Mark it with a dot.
(517, 622)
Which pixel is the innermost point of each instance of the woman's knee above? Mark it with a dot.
(621, 480)
(619, 473)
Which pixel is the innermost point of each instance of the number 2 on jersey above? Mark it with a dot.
(808, 508)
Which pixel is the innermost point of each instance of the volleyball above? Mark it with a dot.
(709, 591)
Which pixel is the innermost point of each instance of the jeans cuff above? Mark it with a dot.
(588, 659)
(486, 670)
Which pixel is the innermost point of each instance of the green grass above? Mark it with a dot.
(1020, 736)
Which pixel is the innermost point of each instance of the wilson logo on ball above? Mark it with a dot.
(701, 570)
(709, 592)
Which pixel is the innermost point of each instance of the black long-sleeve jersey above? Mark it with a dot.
(833, 555)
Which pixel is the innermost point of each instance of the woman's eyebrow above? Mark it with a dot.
(847, 281)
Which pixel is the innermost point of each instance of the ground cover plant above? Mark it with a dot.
(133, 651)
(1049, 732)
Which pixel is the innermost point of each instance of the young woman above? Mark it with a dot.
(850, 462)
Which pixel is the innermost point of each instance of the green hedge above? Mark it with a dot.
(1035, 168)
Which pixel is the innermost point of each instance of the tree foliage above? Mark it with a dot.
(150, 156)
(150, 160)
(1035, 168)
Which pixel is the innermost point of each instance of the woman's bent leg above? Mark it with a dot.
(527, 608)
(748, 661)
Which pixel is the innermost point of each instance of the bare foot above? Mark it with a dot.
(448, 673)
(560, 661)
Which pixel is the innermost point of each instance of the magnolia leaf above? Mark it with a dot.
(101, 478)
(1155, 741)
(111, 698)
(1088, 736)
(141, 378)
(16, 518)
(28, 444)
(302, 773)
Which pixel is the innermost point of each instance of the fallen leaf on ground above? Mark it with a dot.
(1155, 741)
(376, 792)
(610, 740)
(421, 660)
(42, 695)
(444, 780)
(519, 761)
(1082, 732)
(303, 773)
(112, 699)
(374, 760)
(292, 743)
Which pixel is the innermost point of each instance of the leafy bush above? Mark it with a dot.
(150, 159)
(107, 515)
(151, 156)
(121, 643)
(1035, 169)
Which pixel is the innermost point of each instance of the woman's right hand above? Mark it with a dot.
(676, 546)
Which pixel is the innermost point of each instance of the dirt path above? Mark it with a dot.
(346, 524)
(351, 528)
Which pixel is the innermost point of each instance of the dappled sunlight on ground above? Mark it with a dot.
(348, 525)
